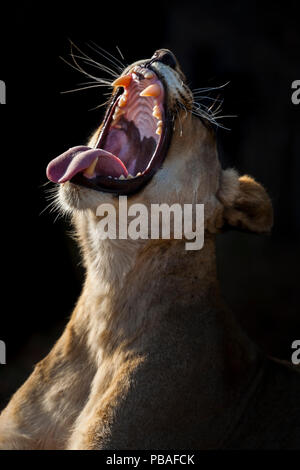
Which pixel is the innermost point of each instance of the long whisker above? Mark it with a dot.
(209, 98)
(83, 88)
(210, 118)
(119, 51)
(119, 68)
(53, 205)
(114, 60)
(209, 112)
(210, 88)
(83, 53)
(42, 185)
(99, 105)
(96, 81)
(86, 58)
(95, 64)
(80, 69)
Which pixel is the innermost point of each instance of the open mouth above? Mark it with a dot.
(133, 141)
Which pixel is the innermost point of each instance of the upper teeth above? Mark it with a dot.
(117, 114)
(123, 101)
(157, 112)
(142, 71)
(148, 74)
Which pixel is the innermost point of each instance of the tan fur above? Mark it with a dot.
(246, 203)
(151, 359)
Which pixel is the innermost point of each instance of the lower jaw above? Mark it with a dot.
(115, 186)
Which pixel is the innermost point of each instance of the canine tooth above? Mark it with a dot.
(149, 75)
(89, 172)
(151, 90)
(122, 177)
(138, 174)
(123, 81)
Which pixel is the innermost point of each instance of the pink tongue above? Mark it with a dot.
(78, 159)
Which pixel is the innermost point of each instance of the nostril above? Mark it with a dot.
(166, 57)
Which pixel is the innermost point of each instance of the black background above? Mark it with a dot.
(253, 45)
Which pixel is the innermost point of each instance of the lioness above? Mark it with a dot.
(151, 358)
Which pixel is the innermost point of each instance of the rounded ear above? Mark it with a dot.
(246, 204)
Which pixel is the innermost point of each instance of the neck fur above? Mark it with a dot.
(132, 285)
(155, 299)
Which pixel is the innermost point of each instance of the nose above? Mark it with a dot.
(164, 56)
